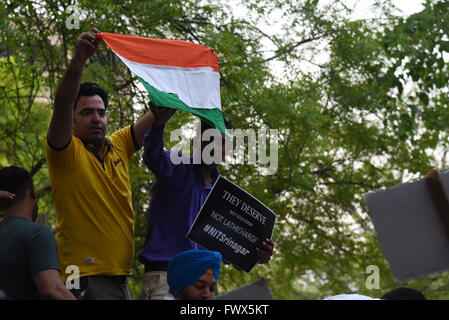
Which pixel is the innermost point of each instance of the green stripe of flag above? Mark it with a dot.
(162, 99)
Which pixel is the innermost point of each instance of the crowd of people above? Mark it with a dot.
(91, 194)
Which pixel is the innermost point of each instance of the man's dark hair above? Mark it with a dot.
(14, 180)
(207, 125)
(90, 89)
(404, 294)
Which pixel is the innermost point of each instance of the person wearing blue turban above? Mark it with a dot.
(193, 274)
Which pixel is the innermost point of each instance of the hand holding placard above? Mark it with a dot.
(235, 223)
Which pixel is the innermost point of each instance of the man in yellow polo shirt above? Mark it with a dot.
(90, 183)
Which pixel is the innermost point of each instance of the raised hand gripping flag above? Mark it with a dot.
(177, 74)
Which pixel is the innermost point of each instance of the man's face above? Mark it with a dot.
(201, 289)
(90, 122)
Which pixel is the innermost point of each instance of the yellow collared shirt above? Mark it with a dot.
(94, 214)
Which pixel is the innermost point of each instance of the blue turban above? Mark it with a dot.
(188, 266)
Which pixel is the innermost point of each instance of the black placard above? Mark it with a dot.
(234, 223)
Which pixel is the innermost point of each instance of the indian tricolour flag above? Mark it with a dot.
(176, 74)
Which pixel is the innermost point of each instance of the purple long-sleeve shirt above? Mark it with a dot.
(176, 199)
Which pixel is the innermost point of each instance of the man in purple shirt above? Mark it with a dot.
(176, 198)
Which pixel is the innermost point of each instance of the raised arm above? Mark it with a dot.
(156, 116)
(60, 129)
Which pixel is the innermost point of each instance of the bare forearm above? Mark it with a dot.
(142, 126)
(59, 292)
(155, 117)
(50, 286)
(69, 86)
(85, 46)
(60, 129)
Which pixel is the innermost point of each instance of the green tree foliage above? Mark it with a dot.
(359, 105)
